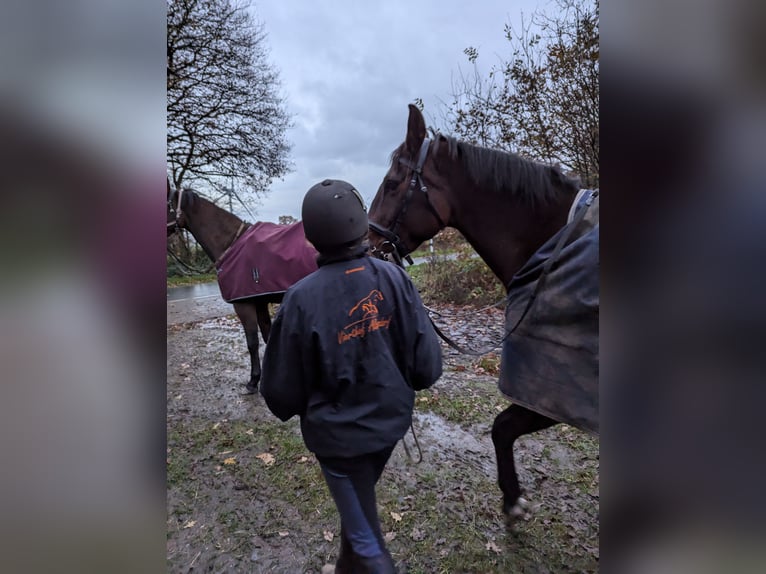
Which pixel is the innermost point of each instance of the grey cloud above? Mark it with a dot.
(349, 69)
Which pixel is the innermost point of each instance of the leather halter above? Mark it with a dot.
(176, 211)
(393, 243)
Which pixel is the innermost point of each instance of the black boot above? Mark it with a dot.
(382, 564)
(345, 562)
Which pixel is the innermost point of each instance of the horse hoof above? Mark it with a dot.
(519, 509)
(250, 389)
(516, 510)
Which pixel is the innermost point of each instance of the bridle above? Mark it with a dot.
(174, 225)
(393, 245)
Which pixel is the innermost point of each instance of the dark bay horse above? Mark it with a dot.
(504, 205)
(216, 229)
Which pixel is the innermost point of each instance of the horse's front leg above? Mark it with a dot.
(509, 425)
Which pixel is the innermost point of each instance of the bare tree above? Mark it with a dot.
(226, 121)
(287, 220)
(543, 101)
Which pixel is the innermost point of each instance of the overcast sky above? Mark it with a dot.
(349, 68)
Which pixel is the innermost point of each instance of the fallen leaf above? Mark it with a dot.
(230, 460)
(328, 535)
(417, 535)
(283, 533)
(396, 516)
(190, 524)
(493, 547)
(178, 397)
(268, 459)
(249, 432)
(389, 536)
(303, 459)
(423, 399)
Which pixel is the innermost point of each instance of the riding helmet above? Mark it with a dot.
(333, 214)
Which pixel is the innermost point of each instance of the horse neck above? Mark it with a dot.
(505, 231)
(214, 228)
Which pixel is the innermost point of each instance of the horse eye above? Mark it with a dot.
(391, 185)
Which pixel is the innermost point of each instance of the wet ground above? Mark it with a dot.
(194, 303)
(245, 496)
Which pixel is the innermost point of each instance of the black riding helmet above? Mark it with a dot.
(333, 215)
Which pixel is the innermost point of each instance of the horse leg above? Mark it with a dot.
(249, 317)
(509, 425)
(264, 319)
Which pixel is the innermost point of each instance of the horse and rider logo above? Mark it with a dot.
(370, 319)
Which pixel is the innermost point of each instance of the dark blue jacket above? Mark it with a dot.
(349, 346)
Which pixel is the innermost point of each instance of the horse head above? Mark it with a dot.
(412, 202)
(179, 202)
(506, 206)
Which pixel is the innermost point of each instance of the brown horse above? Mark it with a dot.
(504, 205)
(216, 229)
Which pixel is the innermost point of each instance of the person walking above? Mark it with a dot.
(349, 346)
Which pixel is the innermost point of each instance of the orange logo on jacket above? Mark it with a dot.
(370, 321)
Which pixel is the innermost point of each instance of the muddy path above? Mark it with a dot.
(244, 495)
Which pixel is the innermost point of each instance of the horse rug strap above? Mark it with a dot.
(550, 359)
(267, 258)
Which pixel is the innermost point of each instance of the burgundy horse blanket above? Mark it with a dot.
(267, 258)
(550, 361)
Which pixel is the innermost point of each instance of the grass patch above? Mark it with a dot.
(463, 281)
(231, 481)
(450, 521)
(480, 402)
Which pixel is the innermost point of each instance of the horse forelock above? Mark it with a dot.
(507, 173)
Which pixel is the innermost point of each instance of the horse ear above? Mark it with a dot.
(416, 130)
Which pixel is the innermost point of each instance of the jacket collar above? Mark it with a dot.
(346, 254)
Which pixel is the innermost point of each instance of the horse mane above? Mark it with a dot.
(508, 173)
(191, 197)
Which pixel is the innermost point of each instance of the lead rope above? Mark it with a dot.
(189, 267)
(417, 444)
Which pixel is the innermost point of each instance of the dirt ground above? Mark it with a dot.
(244, 495)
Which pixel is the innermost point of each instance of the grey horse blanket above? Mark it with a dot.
(550, 362)
(267, 258)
